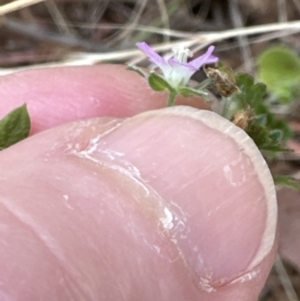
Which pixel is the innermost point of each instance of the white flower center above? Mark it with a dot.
(181, 53)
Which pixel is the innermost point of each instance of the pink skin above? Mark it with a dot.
(114, 208)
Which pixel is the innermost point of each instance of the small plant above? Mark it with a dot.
(176, 71)
(243, 100)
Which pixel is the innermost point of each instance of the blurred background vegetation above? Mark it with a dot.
(259, 37)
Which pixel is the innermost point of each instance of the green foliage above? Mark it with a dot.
(251, 94)
(158, 83)
(287, 181)
(188, 91)
(268, 132)
(279, 69)
(14, 127)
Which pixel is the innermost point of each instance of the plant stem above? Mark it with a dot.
(171, 99)
(204, 84)
(225, 112)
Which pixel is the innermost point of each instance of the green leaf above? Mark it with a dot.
(157, 83)
(188, 91)
(266, 139)
(274, 148)
(259, 92)
(286, 181)
(276, 135)
(251, 94)
(261, 119)
(268, 132)
(14, 127)
(279, 69)
(244, 81)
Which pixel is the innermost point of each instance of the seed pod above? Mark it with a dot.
(241, 118)
(223, 80)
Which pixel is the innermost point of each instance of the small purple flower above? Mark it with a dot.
(176, 70)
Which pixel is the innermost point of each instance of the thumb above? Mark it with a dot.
(174, 204)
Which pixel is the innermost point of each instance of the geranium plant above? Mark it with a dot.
(176, 71)
(242, 98)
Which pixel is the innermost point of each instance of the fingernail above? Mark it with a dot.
(218, 193)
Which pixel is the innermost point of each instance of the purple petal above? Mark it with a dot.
(154, 57)
(173, 62)
(206, 58)
(183, 66)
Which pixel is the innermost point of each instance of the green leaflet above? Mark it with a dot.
(158, 83)
(279, 69)
(286, 181)
(268, 132)
(14, 127)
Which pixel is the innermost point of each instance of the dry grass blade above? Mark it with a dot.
(285, 280)
(164, 17)
(282, 13)
(296, 4)
(199, 40)
(126, 34)
(242, 40)
(58, 17)
(16, 5)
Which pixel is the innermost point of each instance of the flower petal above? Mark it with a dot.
(176, 71)
(154, 57)
(180, 72)
(206, 58)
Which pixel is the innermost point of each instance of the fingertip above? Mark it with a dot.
(58, 95)
(195, 179)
